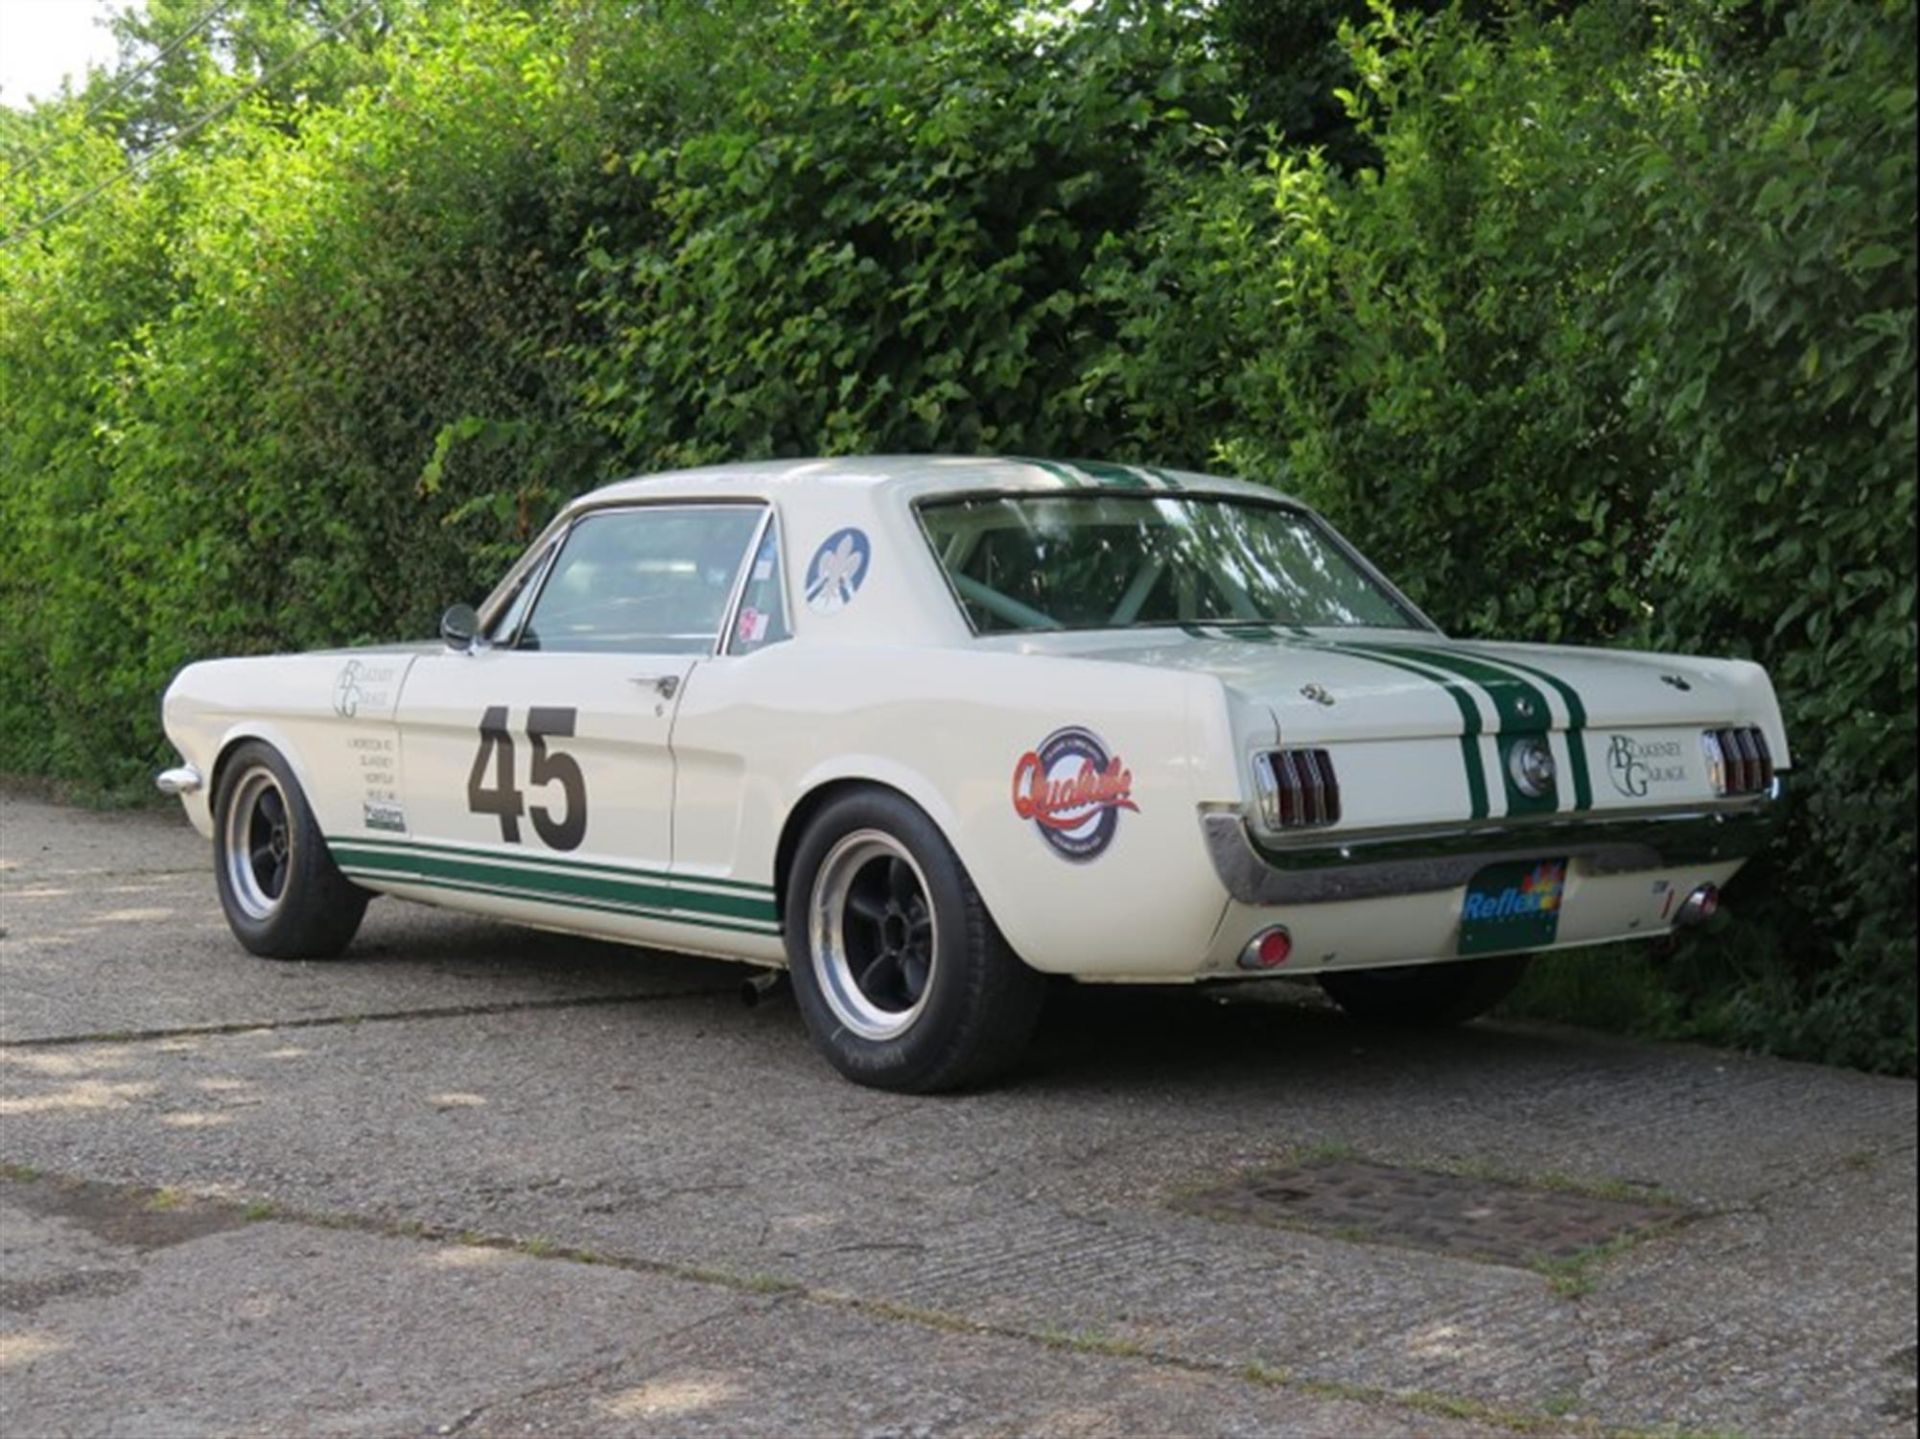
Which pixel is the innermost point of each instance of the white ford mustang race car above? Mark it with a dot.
(923, 730)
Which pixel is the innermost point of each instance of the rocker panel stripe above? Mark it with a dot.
(373, 841)
(506, 872)
(501, 891)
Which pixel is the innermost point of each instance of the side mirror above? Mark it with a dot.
(459, 625)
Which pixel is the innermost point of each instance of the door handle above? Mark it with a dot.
(666, 686)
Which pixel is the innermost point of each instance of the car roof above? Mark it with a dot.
(913, 477)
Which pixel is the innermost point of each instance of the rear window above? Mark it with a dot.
(1106, 561)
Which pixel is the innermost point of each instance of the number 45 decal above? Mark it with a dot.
(508, 802)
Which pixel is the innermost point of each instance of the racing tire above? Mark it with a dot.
(283, 895)
(1430, 996)
(901, 976)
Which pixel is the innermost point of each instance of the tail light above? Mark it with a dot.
(1298, 789)
(1738, 761)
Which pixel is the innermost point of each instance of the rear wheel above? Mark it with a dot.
(899, 972)
(1430, 995)
(283, 895)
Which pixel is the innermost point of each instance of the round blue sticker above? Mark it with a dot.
(838, 569)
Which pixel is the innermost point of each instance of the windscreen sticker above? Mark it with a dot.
(838, 569)
(1072, 789)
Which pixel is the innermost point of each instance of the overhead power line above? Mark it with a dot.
(27, 165)
(174, 141)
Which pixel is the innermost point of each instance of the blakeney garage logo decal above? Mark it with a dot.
(1073, 790)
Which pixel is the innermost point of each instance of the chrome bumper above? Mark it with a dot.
(184, 779)
(1422, 861)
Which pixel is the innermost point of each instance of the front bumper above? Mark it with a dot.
(180, 780)
(1389, 863)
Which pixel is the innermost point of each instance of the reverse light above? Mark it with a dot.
(1530, 762)
(1268, 949)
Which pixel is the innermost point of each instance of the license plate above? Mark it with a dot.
(1513, 906)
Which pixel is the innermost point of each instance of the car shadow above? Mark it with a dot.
(1210, 1038)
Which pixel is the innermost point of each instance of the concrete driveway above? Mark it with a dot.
(482, 1181)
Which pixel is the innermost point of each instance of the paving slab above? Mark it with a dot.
(685, 1133)
(159, 1316)
(110, 924)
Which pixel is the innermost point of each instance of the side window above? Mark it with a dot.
(763, 603)
(651, 580)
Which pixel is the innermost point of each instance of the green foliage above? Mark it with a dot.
(1616, 343)
(1593, 322)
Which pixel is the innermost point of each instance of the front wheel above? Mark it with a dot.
(899, 972)
(283, 895)
(1428, 995)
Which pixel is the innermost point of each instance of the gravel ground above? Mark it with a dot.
(479, 1180)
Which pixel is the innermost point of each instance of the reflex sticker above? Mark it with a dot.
(753, 626)
(838, 569)
(1513, 906)
(1072, 790)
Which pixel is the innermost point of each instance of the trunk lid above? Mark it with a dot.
(1397, 707)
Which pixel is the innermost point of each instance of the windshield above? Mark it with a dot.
(1089, 562)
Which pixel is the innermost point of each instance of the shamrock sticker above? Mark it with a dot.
(838, 569)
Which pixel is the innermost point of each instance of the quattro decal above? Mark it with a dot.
(1071, 788)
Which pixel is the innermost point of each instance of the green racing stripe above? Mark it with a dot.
(1513, 697)
(1576, 727)
(1471, 725)
(1054, 468)
(713, 904)
(1117, 477)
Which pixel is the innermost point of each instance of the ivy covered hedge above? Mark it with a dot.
(1592, 322)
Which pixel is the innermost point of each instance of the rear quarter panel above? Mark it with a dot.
(948, 727)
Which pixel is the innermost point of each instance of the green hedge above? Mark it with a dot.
(1592, 323)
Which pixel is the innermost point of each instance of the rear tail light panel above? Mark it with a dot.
(1298, 788)
(1738, 760)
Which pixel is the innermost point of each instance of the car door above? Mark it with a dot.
(539, 770)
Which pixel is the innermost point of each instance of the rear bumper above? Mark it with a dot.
(1388, 864)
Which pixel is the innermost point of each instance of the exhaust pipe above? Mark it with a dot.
(1699, 907)
(763, 988)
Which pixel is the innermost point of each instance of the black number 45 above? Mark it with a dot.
(503, 799)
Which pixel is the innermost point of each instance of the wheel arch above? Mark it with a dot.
(267, 733)
(822, 790)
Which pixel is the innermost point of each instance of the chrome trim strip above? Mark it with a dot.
(1328, 842)
(181, 780)
(1438, 858)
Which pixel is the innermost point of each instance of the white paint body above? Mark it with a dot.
(692, 798)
